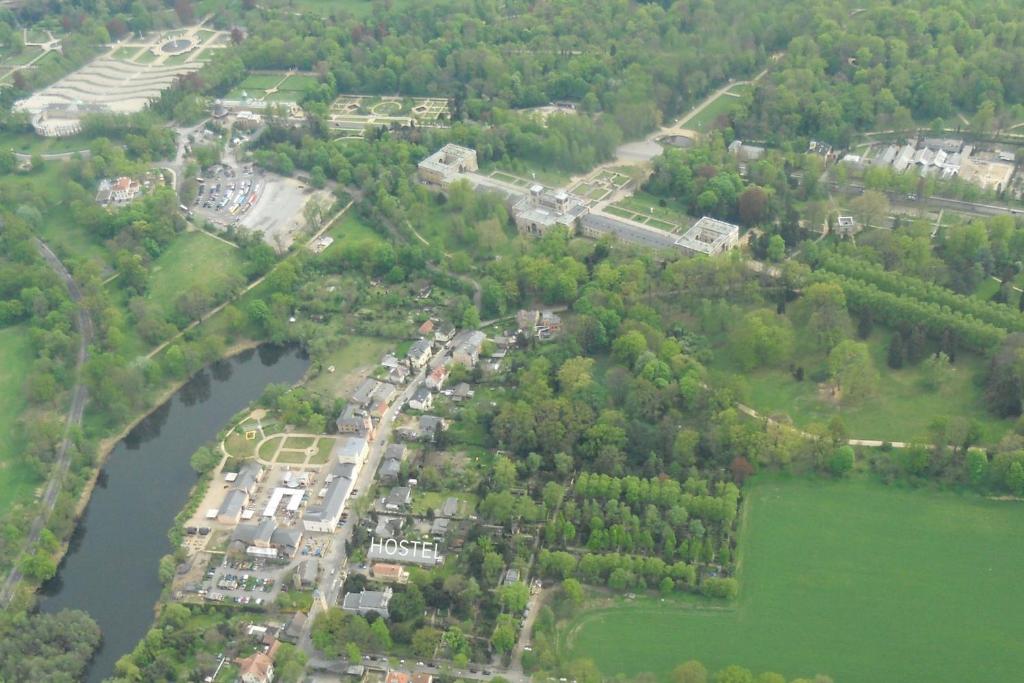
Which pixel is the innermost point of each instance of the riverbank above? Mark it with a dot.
(144, 481)
(107, 445)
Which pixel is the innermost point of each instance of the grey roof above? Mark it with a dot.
(248, 476)
(337, 494)
(390, 468)
(399, 496)
(384, 392)
(233, 502)
(418, 348)
(308, 570)
(365, 390)
(388, 526)
(348, 448)
(368, 601)
(462, 389)
(395, 450)
(450, 507)
(421, 394)
(286, 537)
(429, 423)
(439, 527)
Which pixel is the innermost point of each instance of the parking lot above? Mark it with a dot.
(245, 582)
(226, 193)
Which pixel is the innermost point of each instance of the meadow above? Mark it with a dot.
(851, 579)
(16, 354)
(193, 258)
(901, 409)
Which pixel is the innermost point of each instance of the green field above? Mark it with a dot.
(16, 354)
(351, 229)
(723, 104)
(850, 579)
(193, 258)
(901, 410)
(356, 353)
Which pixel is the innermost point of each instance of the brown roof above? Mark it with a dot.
(383, 569)
(427, 327)
(258, 664)
(397, 677)
(421, 677)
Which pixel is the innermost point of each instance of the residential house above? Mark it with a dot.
(429, 425)
(436, 377)
(367, 602)
(293, 631)
(527, 320)
(461, 392)
(444, 332)
(422, 677)
(256, 668)
(450, 508)
(391, 465)
(398, 499)
(427, 328)
(439, 528)
(397, 677)
(364, 392)
(388, 527)
(419, 353)
(422, 399)
(550, 325)
(353, 420)
(307, 572)
(394, 573)
(399, 375)
(467, 349)
(390, 361)
(511, 576)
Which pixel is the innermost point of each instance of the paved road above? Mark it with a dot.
(79, 396)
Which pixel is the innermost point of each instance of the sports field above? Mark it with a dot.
(16, 480)
(851, 579)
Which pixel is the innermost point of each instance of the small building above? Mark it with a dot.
(398, 499)
(364, 392)
(397, 677)
(422, 399)
(709, 236)
(422, 677)
(388, 527)
(439, 528)
(368, 602)
(444, 332)
(392, 573)
(450, 508)
(293, 631)
(355, 421)
(462, 392)
(444, 166)
(419, 353)
(436, 377)
(307, 572)
(389, 471)
(256, 668)
(120, 190)
(467, 349)
(399, 375)
(426, 328)
(511, 576)
(846, 226)
(241, 491)
(744, 152)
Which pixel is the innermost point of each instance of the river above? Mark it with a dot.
(110, 569)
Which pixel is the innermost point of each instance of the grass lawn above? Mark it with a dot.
(351, 229)
(901, 409)
(851, 579)
(358, 352)
(424, 501)
(16, 354)
(299, 441)
(723, 104)
(291, 457)
(269, 447)
(240, 447)
(299, 83)
(323, 450)
(192, 258)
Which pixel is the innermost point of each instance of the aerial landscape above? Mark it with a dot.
(554, 341)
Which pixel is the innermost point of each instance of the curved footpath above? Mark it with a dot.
(83, 322)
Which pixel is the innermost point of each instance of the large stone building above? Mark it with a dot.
(541, 209)
(445, 165)
(710, 236)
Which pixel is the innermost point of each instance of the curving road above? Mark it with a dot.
(79, 396)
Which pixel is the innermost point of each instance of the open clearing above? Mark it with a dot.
(193, 258)
(16, 480)
(901, 410)
(851, 579)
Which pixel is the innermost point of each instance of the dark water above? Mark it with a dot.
(110, 570)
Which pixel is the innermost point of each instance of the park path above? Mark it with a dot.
(79, 396)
